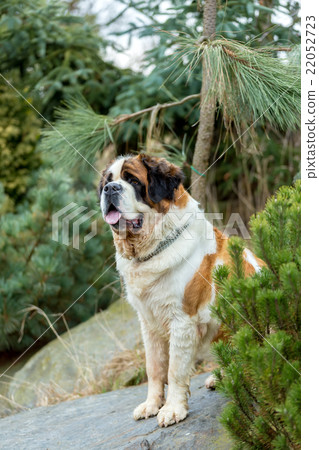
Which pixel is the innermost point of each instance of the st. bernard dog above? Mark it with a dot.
(165, 252)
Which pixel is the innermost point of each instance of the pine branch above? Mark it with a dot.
(158, 107)
(80, 126)
(247, 83)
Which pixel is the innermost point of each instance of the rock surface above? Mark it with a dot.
(105, 422)
(77, 354)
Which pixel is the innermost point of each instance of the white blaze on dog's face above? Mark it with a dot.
(118, 198)
(133, 188)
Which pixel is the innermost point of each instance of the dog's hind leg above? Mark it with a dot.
(210, 382)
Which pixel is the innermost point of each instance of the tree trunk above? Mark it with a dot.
(207, 114)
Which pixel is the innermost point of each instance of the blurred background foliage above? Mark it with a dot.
(39, 274)
(52, 51)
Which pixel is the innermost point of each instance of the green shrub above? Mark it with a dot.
(41, 276)
(54, 54)
(19, 133)
(261, 361)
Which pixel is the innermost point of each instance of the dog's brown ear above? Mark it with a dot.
(163, 178)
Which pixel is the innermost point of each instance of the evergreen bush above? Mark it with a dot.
(54, 54)
(260, 364)
(41, 276)
(19, 133)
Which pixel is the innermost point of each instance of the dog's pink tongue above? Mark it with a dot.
(112, 217)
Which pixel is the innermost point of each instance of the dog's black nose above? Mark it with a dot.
(112, 188)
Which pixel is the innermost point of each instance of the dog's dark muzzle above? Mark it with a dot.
(112, 192)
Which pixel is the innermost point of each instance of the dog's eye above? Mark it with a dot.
(131, 179)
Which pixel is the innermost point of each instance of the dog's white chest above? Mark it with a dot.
(155, 292)
(151, 293)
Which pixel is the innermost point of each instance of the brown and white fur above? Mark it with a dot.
(172, 291)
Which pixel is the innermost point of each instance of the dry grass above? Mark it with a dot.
(127, 368)
(205, 367)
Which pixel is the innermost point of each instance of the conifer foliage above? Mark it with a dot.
(261, 361)
(19, 133)
(41, 278)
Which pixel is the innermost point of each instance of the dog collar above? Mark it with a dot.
(169, 240)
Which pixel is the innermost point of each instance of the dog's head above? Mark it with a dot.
(131, 187)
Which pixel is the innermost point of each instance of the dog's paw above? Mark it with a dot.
(210, 382)
(171, 414)
(146, 410)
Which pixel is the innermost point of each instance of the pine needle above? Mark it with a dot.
(247, 83)
(78, 127)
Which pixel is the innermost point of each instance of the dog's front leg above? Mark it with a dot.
(183, 345)
(156, 352)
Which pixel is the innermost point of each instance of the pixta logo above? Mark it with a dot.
(73, 216)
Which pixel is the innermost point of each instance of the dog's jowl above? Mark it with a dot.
(166, 252)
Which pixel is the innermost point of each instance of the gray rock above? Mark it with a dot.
(105, 422)
(78, 354)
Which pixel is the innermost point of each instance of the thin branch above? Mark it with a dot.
(120, 14)
(234, 56)
(125, 117)
(278, 49)
(37, 242)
